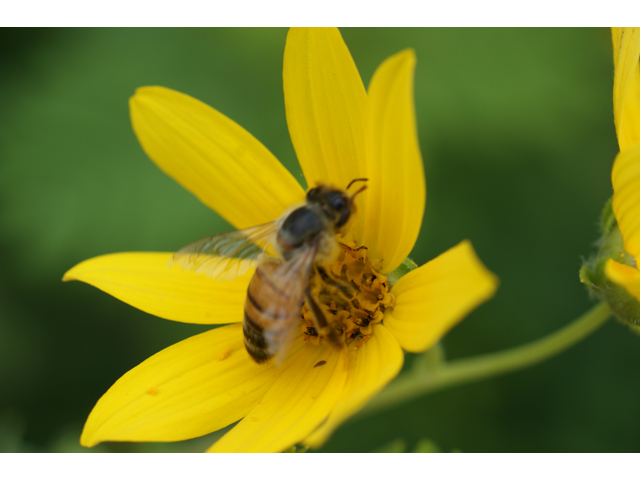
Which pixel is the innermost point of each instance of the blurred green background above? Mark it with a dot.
(518, 140)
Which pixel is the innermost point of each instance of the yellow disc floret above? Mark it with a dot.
(353, 298)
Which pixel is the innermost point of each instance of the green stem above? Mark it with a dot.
(446, 374)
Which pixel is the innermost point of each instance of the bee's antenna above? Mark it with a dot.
(356, 180)
(364, 187)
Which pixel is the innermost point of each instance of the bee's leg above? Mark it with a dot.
(320, 319)
(346, 289)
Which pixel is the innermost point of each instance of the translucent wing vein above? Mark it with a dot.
(227, 255)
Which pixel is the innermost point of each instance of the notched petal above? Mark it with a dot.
(144, 281)
(625, 178)
(433, 298)
(213, 157)
(325, 103)
(370, 368)
(297, 402)
(626, 85)
(189, 389)
(397, 190)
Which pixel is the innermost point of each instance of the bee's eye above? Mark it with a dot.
(337, 201)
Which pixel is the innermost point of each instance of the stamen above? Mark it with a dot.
(351, 316)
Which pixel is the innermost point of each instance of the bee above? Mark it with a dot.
(287, 252)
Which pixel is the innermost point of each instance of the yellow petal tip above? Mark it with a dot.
(491, 280)
(147, 89)
(137, 98)
(448, 287)
(70, 274)
(86, 440)
(408, 54)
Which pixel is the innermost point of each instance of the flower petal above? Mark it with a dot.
(626, 85)
(431, 299)
(397, 191)
(625, 178)
(213, 157)
(300, 399)
(325, 102)
(189, 389)
(144, 281)
(371, 367)
(625, 276)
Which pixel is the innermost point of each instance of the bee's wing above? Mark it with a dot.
(290, 278)
(227, 255)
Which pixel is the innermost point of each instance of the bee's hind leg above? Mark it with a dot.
(320, 319)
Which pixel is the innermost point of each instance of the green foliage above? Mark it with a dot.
(396, 446)
(400, 446)
(426, 446)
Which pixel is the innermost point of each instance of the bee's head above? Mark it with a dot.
(336, 204)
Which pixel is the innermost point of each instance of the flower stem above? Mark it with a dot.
(433, 374)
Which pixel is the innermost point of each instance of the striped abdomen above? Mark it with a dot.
(269, 311)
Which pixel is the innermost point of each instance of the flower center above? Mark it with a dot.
(353, 297)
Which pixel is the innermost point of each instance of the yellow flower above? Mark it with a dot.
(625, 175)
(340, 132)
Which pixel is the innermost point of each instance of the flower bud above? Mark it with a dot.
(610, 247)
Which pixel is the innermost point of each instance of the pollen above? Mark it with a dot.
(153, 391)
(224, 354)
(353, 296)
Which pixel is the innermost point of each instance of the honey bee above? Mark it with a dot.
(287, 252)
